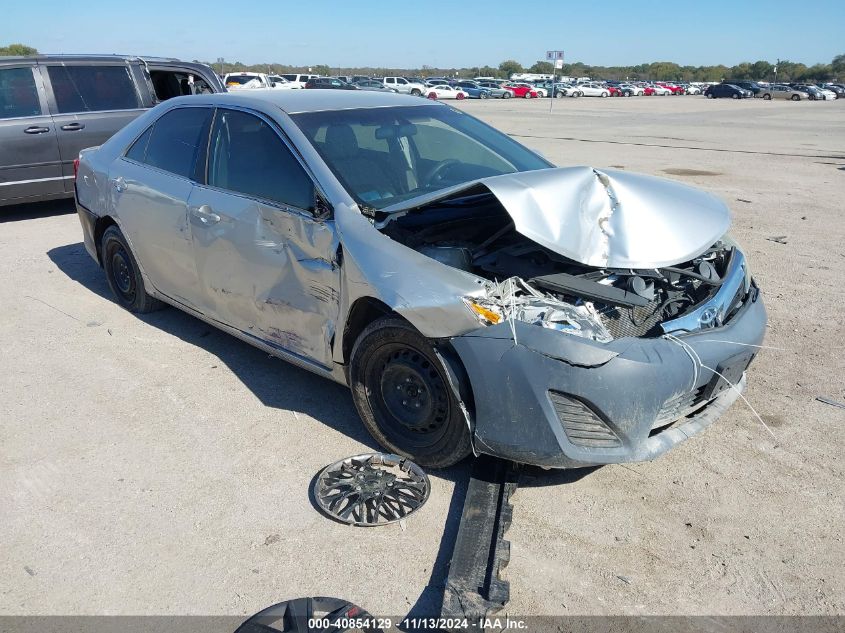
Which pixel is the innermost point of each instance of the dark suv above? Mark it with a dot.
(753, 86)
(330, 83)
(731, 91)
(52, 106)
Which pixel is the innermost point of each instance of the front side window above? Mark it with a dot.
(176, 142)
(247, 156)
(383, 156)
(18, 93)
(92, 88)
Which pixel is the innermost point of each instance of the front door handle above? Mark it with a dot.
(205, 215)
(34, 129)
(73, 127)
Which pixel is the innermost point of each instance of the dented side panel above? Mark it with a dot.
(268, 271)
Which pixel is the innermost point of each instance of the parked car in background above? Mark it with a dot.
(251, 81)
(525, 91)
(297, 80)
(473, 89)
(815, 93)
(402, 85)
(496, 90)
(615, 91)
(630, 90)
(659, 90)
(692, 89)
(723, 91)
(672, 88)
(445, 91)
(256, 214)
(328, 83)
(566, 90)
(436, 81)
(541, 91)
(372, 85)
(777, 91)
(837, 89)
(593, 89)
(752, 86)
(52, 106)
(277, 82)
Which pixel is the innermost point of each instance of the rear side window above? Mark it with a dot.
(177, 141)
(247, 156)
(92, 88)
(18, 93)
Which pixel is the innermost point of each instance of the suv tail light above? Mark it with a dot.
(75, 168)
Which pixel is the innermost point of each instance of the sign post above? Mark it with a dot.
(556, 57)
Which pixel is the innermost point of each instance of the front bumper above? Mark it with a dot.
(556, 400)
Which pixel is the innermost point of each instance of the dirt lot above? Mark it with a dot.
(156, 466)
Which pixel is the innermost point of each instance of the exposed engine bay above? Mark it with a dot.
(531, 283)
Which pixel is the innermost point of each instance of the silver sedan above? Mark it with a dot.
(475, 298)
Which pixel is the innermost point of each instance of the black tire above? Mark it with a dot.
(734, 96)
(796, 97)
(416, 92)
(483, 95)
(123, 274)
(767, 97)
(402, 393)
(507, 94)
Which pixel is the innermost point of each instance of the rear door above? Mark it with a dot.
(150, 187)
(266, 265)
(29, 151)
(89, 102)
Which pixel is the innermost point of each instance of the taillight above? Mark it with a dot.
(75, 168)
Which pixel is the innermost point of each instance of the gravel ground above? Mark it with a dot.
(155, 465)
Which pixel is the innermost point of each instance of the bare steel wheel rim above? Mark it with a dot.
(122, 273)
(371, 489)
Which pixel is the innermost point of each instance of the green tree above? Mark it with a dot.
(837, 66)
(542, 68)
(488, 71)
(14, 50)
(761, 70)
(509, 67)
(321, 69)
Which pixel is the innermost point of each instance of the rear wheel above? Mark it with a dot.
(604, 94)
(559, 94)
(507, 94)
(432, 95)
(483, 95)
(796, 97)
(416, 92)
(123, 274)
(527, 95)
(402, 393)
(459, 96)
(767, 97)
(734, 96)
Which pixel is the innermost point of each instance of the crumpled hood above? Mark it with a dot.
(607, 218)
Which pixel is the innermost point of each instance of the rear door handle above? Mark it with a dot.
(73, 127)
(34, 129)
(205, 215)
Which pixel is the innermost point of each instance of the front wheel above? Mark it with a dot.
(767, 97)
(432, 95)
(735, 96)
(507, 94)
(483, 95)
(124, 275)
(796, 97)
(402, 392)
(416, 92)
(527, 95)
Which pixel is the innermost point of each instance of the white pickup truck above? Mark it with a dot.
(400, 84)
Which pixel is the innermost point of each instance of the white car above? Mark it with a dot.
(828, 94)
(693, 90)
(566, 90)
(297, 80)
(660, 90)
(630, 90)
(593, 89)
(445, 92)
(255, 81)
(541, 92)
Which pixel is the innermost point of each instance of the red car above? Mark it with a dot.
(648, 91)
(614, 91)
(676, 90)
(521, 90)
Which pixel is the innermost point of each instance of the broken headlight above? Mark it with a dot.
(729, 243)
(514, 300)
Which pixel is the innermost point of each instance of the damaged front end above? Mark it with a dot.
(577, 359)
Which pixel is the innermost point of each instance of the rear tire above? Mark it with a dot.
(767, 97)
(734, 96)
(796, 97)
(432, 95)
(401, 390)
(507, 94)
(123, 274)
(604, 95)
(416, 92)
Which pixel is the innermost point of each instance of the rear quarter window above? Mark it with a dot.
(177, 141)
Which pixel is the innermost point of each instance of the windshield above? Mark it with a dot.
(383, 156)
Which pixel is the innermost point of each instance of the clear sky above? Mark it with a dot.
(439, 33)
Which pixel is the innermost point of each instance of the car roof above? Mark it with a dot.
(297, 101)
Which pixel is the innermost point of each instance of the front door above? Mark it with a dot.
(29, 151)
(266, 265)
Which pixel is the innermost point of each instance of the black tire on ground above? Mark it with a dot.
(735, 96)
(767, 97)
(507, 94)
(416, 92)
(402, 393)
(796, 97)
(483, 95)
(123, 274)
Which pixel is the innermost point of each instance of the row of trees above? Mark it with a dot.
(670, 71)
